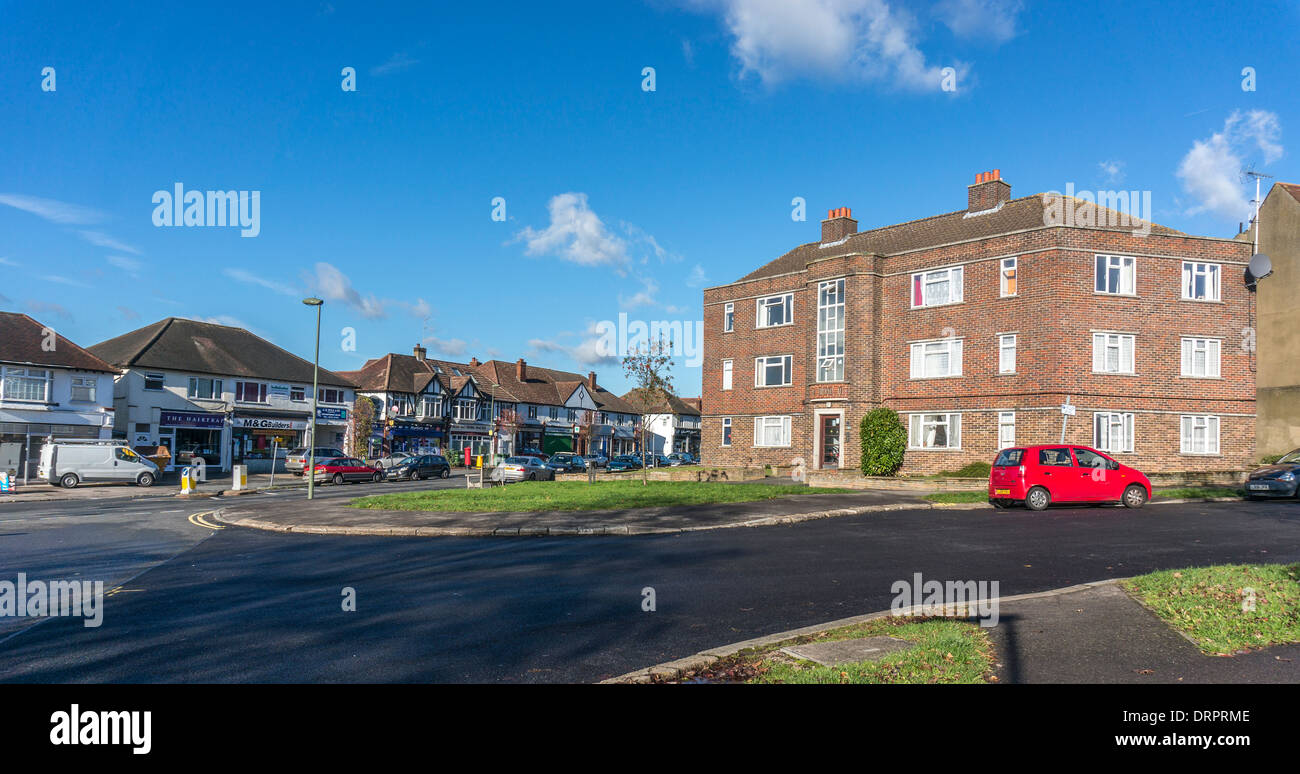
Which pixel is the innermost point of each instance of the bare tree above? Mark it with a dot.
(648, 367)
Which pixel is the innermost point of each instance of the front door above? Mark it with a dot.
(830, 441)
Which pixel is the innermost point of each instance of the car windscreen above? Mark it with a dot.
(1290, 458)
(1009, 458)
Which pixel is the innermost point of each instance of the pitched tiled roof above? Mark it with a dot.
(653, 404)
(544, 386)
(1014, 215)
(179, 344)
(23, 340)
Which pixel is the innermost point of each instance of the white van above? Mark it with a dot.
(68, 463)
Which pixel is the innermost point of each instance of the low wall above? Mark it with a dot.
(675, 474)
(850, 479)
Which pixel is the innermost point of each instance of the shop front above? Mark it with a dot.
(193, 435)
(331, 428)
(261, 442)
(417, 437)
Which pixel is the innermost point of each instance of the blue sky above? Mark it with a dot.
(617, 199)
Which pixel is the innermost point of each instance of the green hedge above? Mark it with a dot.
(884, 442)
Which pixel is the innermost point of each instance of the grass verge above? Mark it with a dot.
(982, 496)
(946, 651)
(1211, 604)
(582, 496)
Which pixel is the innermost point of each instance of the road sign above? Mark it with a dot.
(1067, 409)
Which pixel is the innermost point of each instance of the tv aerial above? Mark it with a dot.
(1260, 265)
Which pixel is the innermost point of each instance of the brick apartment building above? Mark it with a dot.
(976, 326)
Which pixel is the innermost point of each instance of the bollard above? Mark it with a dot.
(240, 476)
(187, 480)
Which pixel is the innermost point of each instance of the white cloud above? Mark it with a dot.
(644, 297)
(51, 210)
(448, 347)
(593, 350)
(4, 261)
(697, 277)
(100, 239)
(62, 280)
(124, 263)
(992, 20)
(333, 285)
(396, 63)
(38, 308)
(248, 277)
(420, 309)
(1112, 171)
(1211, 170)
(864, 40)
(576, 234)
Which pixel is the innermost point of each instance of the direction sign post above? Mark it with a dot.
(1067, 411)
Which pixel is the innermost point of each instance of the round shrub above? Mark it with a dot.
(884, 441)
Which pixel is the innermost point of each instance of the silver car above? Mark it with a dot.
(296, 460)
(392, 460)
(525, 469)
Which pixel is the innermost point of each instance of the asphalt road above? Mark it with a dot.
(240, 605)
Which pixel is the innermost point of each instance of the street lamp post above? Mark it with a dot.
(315, 381)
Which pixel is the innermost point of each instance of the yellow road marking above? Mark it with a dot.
(197, 520)
(119, 590)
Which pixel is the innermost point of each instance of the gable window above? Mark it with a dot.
(728, 318)
(1112, 432)
(775, 310)
(1116, 275)
(26, 384)
(209, 389)
(573, 415)
(830, 331)
(1006, 429)
(466, 409)
(329, 395)
(726, 431)
(1007, 354)
(1112, 353)
(933, 359)
(1200, 281)
(1007, 277)
(1199, 434)
(771, 431)
(430, 406)
(1201, 357)
(726, 374)
(154, 382)
(772, 371)
(936, 288)
(250, 392)
(934, 431)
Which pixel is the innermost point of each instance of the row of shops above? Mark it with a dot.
(434, 437)
(255, 439)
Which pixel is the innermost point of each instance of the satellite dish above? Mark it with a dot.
(1260, 266)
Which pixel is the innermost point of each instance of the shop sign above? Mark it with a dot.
(190, 419)
(331, 414)
(263, 423)
(279, 390)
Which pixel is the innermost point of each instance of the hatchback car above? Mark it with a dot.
(418, 468)
(523, 468)
(681, 458)
(1063, 473)
(597, 460)
(392, 460)
(567, 462)
(296, 460)
(1281, 479)
(341, 469)
(623, 462)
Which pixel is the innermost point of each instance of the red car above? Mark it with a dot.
(340, 469)
(1063, 473)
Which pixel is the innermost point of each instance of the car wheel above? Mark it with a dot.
(446, 473)
(1038, 499)
(145, 479)
(69, 480)
(376, 478)
(415, 475)
(1135, 496)
(337, 479)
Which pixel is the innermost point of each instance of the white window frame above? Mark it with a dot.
(1213, 280)
(780, 421)
(1103, 342)
(1105, 423)
(728, 317)
(193, 390)
(14, 375)
(727, 372)
(323, 392)
(1012, 263)
(241, 386)
(1213, 350)
(1006, 419)
(89, 385)
(297, 394)
(920, 349)
(830, 331)
(785, 300)
(1003, 357)
(726, 431)
(1187, 444)
(954, 276)
(430, 406)
(1126, 265)
(917, 424)
(787, 370)
(465, 410)
(161, 379)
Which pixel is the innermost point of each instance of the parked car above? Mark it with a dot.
(596, 460)
(392, 460)
(681, 458)
(419, 468)
(623, 462)
(1280, 479)
(340, 469)
(567, 462)
(296, 460)
(525, 468)
(68, 463)
(657, 461)
(1063, 473)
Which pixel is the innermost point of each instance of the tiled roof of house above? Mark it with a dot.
(653, 404)
(1292, 189)
(1014, 215)
(544, 386)
(179, 344)
(24, 340)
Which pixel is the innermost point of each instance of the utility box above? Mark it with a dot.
(240, 476)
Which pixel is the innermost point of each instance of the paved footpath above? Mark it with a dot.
(336, 518)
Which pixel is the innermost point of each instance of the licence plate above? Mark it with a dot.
(1001, 491)
(1260, 486)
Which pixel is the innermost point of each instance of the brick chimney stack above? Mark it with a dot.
(420, 353)
(988, 191)
(473, 362)
(521, 370)
(839, 224)
(591, 381)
